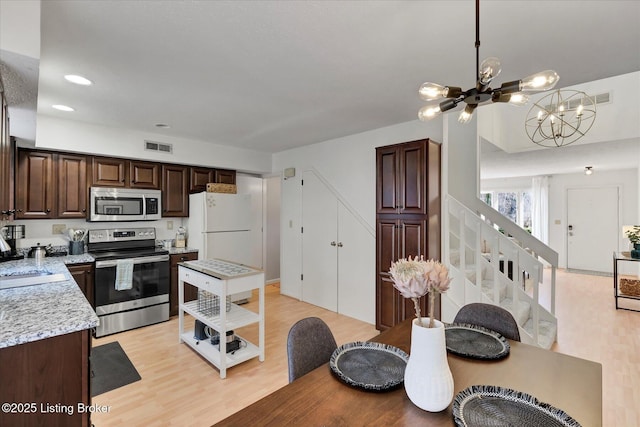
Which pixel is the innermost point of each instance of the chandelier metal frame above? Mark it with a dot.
(482, 93)
(560, 118)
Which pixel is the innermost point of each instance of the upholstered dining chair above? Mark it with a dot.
(491, 317)
(310, 344)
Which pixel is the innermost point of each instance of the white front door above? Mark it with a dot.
(593, 229)
(319, 244)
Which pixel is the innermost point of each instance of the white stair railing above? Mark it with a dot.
(487, 266)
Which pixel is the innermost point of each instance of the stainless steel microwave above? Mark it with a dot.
(124, 204)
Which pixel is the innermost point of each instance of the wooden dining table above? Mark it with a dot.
(321, 399)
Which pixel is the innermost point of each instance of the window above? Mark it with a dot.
(515, 205)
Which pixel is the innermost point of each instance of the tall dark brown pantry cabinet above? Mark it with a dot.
(407, 220)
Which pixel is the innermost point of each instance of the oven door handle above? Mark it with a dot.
(140, 260)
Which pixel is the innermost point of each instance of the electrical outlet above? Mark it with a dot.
(58, 228)
(169, 225)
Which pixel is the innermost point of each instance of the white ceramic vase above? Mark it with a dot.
(427, 377)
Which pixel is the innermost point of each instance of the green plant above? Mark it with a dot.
(633, 234)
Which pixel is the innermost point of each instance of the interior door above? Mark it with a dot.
(356, 268)
(592, 228)
(319, 244)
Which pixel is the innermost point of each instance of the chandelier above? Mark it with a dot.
(560, 118)
(508, 92)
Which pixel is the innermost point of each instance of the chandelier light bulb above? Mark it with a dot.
(541, 81)
(464, 117)
(518, 99)
(428, 112)
(430, 91)
(579, 110)
(489, 69)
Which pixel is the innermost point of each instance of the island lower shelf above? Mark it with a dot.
(212, 354)
(237, 317)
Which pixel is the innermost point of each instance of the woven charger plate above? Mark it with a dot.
(369, 365)
(492, 406)
(475, 342)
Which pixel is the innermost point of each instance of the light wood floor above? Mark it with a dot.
(179, 388)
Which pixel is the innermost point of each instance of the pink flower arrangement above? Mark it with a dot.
(415, 278)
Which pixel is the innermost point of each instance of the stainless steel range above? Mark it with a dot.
(131, 279)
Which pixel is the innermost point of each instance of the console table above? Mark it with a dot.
(619, 257)
(221, 279)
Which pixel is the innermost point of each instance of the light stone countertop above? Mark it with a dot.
(174, 251)
(32, 313)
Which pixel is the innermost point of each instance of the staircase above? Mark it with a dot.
(490, 267)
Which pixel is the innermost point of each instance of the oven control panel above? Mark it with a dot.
(121, 234)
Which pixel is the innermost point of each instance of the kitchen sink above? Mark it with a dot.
(30, 278)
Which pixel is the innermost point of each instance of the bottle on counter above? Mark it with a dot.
(181, 237)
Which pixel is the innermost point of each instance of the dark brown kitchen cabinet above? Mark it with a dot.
(72, 186)
(48, 373)
(223, 176)
(407, 220)
(190, 292)
(199, 178)
(51, 185)
(35, 187)
(115, 172)
(83, 275)
(175, 197)
(7, 162)
(402, 179)
(108, 172)
(144, 175)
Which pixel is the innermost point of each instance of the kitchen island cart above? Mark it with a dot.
(216, 280)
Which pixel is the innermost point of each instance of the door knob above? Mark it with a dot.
(333, 243)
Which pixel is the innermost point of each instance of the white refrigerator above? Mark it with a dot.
(219, 226)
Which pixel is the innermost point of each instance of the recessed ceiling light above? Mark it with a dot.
(62, 107)
(79, 80)
(162, 125)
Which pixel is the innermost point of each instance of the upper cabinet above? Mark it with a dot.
(72, 186)
(108, 172)
(402, 179)
(51, 185)
(35, 185)
(199, 178)
(114, 172)
(223, 176)
(144, 175)
(175, 198)
(6, 163)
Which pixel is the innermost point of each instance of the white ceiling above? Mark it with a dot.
(273, 75)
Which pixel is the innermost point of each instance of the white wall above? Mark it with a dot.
(272, 229)
(66, 135)
(626, 179)
(503, 124)
(348, 164)
(40, 230)
(461, 158)
(20, 27)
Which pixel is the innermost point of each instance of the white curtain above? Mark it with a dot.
(540, 209)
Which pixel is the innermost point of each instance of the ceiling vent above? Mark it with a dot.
(158, 146)
(572, 104)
